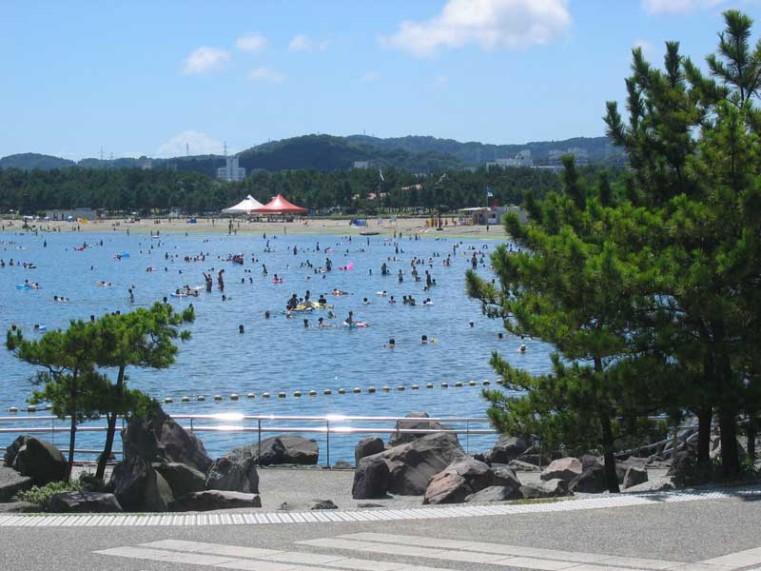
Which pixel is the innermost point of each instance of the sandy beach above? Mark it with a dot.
(317, 226)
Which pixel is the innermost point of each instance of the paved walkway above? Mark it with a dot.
(673, 531)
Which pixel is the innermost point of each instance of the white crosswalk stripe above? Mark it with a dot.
(392, 553)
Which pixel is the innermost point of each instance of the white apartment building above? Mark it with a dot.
(231, 172)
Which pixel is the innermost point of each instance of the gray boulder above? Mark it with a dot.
(215, 500)
(412, 465)
(546, 489)
(564, 468)
(236, 471)
(507, 448)
(634, 477)
(478, 475)
(370, 478)
(520, 466)
(632, 462)
(590, 481)
(84, 502)
(160, 439)
(36, 458)
(288, 449)
(367, 447)
(324, 505)
(182, 479)
(138, 487)
(503, 475)
(11, 483)
(447, 488)
(417, 422)
(495, 494)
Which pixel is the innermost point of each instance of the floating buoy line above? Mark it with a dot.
(299, 393)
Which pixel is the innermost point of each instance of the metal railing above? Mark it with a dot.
(335, 425)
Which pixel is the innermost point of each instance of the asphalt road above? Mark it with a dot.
(688, 532)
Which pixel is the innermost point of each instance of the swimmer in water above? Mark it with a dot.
(522, 348)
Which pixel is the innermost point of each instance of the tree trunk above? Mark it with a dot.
(704, 415)
(111, 427)
(611, 479)
(72, 441)
(730, 459)
(108, 446)
(752, 433)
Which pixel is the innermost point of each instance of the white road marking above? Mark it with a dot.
(451, 551)
(274, 518)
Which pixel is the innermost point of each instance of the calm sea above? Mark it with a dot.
(280, 353)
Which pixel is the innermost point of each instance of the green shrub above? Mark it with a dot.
(40, 496)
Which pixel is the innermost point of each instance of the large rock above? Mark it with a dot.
(546, 489)
(591, 481)
(495, 494)
(417, 422)
(370, 478)
(84, 502)
(36, 458)
(507, 448)
(215, 500)
(503, 475)
(412, 465)
(460, 479)
(632, 462)
(138, 487)
(182, 479)
(478, 475)
(235, 471)
(564, 469)
(11, 483)
(288, 449)
(447, 488)
(160, 439)
(367, 447)
(634, 477)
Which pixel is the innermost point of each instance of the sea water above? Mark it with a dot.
(95, 271)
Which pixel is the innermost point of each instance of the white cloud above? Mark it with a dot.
(678, 6)
(490, 24)
(197, 142)
(442, 80)
(251, 42)
(303, 43)
(370, 76)
(266, 75)
(204, 60)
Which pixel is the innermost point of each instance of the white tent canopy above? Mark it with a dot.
(244, 206)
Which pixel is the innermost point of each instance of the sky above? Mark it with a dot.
(82, 78)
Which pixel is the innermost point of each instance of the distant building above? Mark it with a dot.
(231, 172)
(555, 158)
(361, 164)
(522, 159)
(145, 163)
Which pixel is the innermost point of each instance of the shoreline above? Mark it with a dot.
(317, 227)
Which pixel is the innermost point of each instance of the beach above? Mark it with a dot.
(315, 226)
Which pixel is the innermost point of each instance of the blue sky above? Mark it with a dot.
(148, 78)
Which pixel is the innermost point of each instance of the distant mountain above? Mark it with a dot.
(599, 149)
(329, 153)
(32, 161)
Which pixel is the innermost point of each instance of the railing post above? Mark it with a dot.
(467, 436)
(259, 434)
(327, 442)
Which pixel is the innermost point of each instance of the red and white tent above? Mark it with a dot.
(280, 205)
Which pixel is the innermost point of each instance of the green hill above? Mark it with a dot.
(32, 161)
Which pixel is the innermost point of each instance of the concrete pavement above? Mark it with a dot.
(711, 531)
